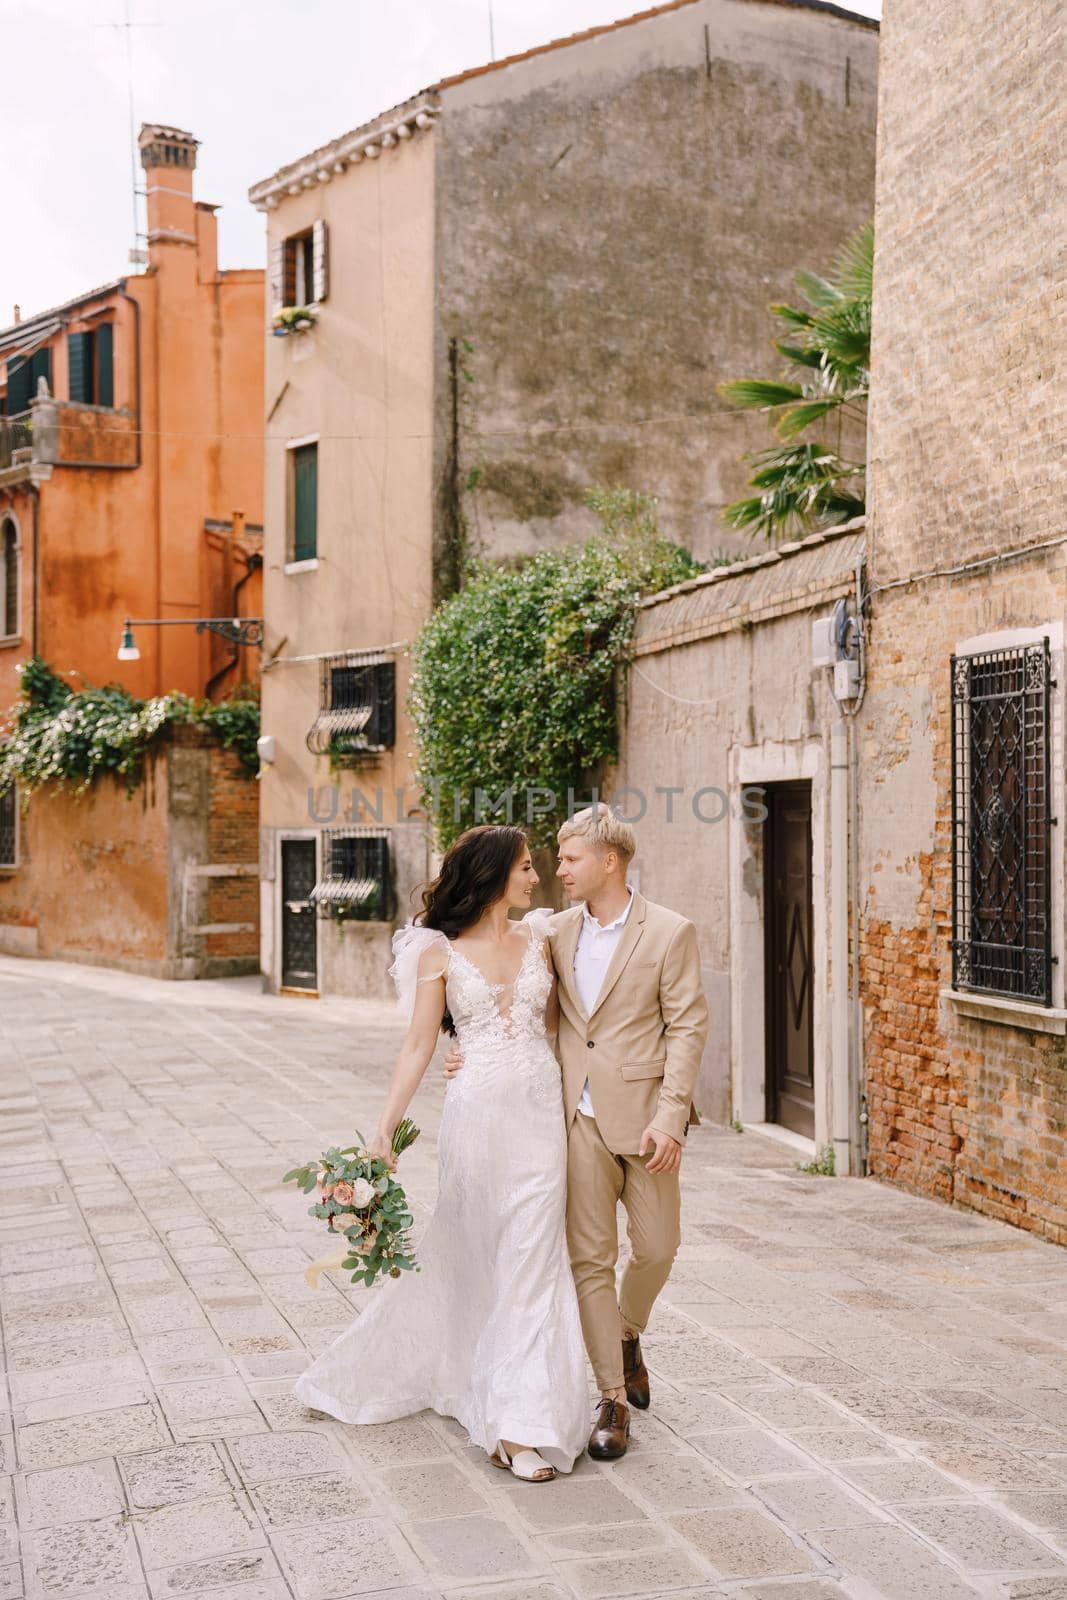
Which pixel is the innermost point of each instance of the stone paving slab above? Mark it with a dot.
(857, 1394)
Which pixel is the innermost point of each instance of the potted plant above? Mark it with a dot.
(293, 319)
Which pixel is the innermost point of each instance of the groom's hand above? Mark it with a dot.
(667, 1155)
(453, 1061)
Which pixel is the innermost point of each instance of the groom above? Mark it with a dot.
(633, 1021)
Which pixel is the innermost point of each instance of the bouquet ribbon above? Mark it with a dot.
(326, 1264)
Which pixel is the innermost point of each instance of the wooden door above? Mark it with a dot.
(789, 975)
(299, 939)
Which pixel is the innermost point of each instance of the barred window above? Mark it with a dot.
(9, 828)
(357, 705)
(1001, 823)
(356, 881)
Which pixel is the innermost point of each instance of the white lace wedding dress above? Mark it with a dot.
(487, 1331)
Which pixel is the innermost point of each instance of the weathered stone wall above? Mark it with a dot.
(969, 354)
(722, 698)
(613, 220)
(362, 383)
(968, 407)
(107, 879)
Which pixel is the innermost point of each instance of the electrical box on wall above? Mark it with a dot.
(846, 679)
(823, 653)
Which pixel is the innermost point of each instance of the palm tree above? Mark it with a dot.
(801, 484)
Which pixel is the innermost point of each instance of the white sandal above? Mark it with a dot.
(524, 1464)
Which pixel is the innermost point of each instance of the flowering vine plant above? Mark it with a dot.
(359, 1198)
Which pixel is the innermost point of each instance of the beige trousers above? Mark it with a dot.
(596, 1181)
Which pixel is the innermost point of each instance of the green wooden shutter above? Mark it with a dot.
(10, 578)
(18, 385)
(305, 502)
(41, 367)
(80, 367)
(105, 364)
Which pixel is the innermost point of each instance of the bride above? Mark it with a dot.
(487, 1331)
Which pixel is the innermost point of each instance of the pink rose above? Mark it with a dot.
(344, 1220)
(366, 1245)
(326, 1190)
(342, 1193)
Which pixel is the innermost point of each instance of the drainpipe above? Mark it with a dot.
(136, 304)
(255, 561)
(858, 1112)
(36, 495)
(839, 994)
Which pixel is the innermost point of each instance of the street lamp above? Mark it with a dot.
(128, 651)
(238, 630)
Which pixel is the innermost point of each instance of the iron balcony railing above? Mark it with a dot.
(16, 433)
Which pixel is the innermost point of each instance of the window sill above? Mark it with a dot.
(309, 565)
(1013, 1013)
(8, 641)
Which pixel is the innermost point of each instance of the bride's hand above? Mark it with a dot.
(381, 1149)
(453, 1062)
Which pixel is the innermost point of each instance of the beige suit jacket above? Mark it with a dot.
(642, 1044)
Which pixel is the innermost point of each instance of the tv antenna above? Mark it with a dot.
(127, 25)
(492, 41)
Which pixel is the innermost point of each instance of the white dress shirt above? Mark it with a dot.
(594, 950)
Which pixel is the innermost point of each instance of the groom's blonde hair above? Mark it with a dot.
(598, 825)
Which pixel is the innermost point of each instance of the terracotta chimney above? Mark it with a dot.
(207, 242)
(168, 156)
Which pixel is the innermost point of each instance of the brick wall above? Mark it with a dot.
(969, 359)
(968, 411)
(967, 1110)
(233, 839)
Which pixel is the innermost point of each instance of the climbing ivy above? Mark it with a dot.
(514, 677)
(63, 736)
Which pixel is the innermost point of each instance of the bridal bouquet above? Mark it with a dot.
(359, 1198)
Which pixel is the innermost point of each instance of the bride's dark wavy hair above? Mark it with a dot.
(474, 874)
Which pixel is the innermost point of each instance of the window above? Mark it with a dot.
(1001, 822)
(9, 578)
(303, 502)
(356, 880)
(90, 366)
(357, 705)
(9, 829)
(23, 374)
(299, 268)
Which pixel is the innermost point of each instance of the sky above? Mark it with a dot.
(259, 84)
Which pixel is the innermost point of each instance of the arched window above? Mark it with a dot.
(9, 574)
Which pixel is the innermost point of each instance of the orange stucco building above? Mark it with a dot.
(131, 477)
(131, 485)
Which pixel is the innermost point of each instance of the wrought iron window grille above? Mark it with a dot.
(9, 827)
(356, 884)
(357, 706)
(1001, 823)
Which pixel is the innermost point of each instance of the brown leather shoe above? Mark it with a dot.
(635, 1373)
(611, 1431)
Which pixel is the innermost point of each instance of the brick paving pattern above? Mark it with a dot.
(856, 1392)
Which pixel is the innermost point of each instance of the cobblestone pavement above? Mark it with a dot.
(854, 1392)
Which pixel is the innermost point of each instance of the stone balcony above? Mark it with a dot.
(64, 433)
